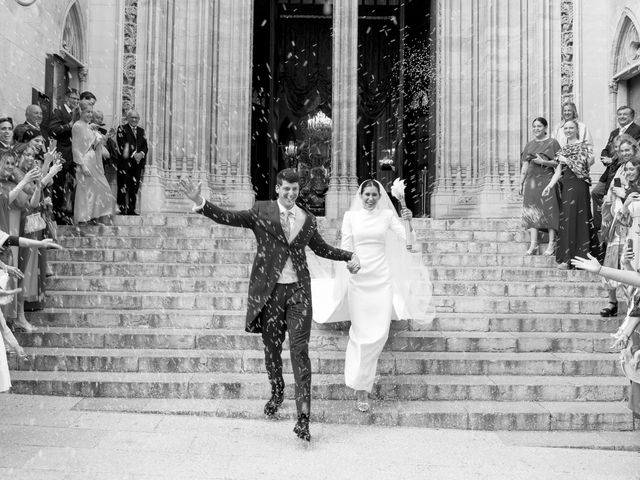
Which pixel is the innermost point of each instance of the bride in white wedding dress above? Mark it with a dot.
(391, 284)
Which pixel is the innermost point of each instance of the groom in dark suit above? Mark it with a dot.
(280, 284)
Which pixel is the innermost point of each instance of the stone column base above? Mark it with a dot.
(339, 197)
(160, 192)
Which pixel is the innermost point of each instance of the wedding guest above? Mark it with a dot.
(627, 338)
(576, 233)
(388, 285)
(539, 212)
(570, 112)
(133, 150)
(109, 152)
(93, 202)
(6, 133)
(615, 213)
(21, 194)
(625, 116)
(64, 184)
(31, 262)
(33, 115)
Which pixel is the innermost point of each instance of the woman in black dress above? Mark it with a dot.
(577, 235)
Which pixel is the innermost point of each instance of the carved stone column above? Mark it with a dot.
(343, 183)
(495, 64)
(231, 170)
(192, 87)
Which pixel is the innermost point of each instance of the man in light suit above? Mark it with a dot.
(280, 284)
(132, 158)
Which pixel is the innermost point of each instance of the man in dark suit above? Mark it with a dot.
(33, 122)
(608, 157)
(63, 189)
(280, 284)
(132, 158)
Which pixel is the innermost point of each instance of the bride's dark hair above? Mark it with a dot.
(369, 183)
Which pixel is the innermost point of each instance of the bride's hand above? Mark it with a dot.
(354, 264)
(406, 214)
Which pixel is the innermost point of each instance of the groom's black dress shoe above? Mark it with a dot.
(302, 427)
(271, 407)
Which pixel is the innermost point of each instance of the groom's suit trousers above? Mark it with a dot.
(288, 308)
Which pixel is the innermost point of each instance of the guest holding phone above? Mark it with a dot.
(616, 217)
(539, 212)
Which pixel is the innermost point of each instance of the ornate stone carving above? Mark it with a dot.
(83, 73)
(566, 50)
(129, 55)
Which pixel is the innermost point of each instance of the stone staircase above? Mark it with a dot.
(148, 315)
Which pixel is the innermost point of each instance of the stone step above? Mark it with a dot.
(206, 284)
(391, 363)
(155, 256)
(488, 260)
(64, 269)
(190, 219)
(424, 341)
(521, 416)
(329, 387)
(487, 322)
(549, 290)
(510, 274)
(178, 270)
(213, 242)
(238, 302)
(211, 230)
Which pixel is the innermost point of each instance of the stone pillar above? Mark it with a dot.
(231, 169)
(496, 62)
(343, 183)
(193, 87)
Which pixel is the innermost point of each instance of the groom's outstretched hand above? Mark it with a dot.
(191, 191)
(353, 265)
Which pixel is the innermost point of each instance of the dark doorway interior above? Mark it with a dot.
(291, 112)
(291, 122)
(395, 80)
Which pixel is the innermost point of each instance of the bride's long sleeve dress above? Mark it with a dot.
(370, 292)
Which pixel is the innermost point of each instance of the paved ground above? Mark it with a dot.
(45, 438)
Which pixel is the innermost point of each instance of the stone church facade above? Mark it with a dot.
(186, 66)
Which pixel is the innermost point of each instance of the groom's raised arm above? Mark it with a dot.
(234, 218)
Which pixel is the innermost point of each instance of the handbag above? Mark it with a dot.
(34, 223)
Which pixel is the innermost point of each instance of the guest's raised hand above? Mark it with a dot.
(32, 175)
(620, 192)
(191, 191)
(633, 197)
(50, 244)
(14, 272)
(406, 214)
(590, 264)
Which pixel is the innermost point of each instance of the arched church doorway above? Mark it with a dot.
(66, 66)
(292, 99)
(626, 64)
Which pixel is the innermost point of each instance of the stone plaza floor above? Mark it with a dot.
(44, 438)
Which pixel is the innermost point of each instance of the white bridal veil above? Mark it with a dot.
(409, 277)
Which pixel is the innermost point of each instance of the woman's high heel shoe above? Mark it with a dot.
(611, 311)
(22, 324)
(551, 250)
(533, 249)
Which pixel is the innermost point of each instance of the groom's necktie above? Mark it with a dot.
(285, 219)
